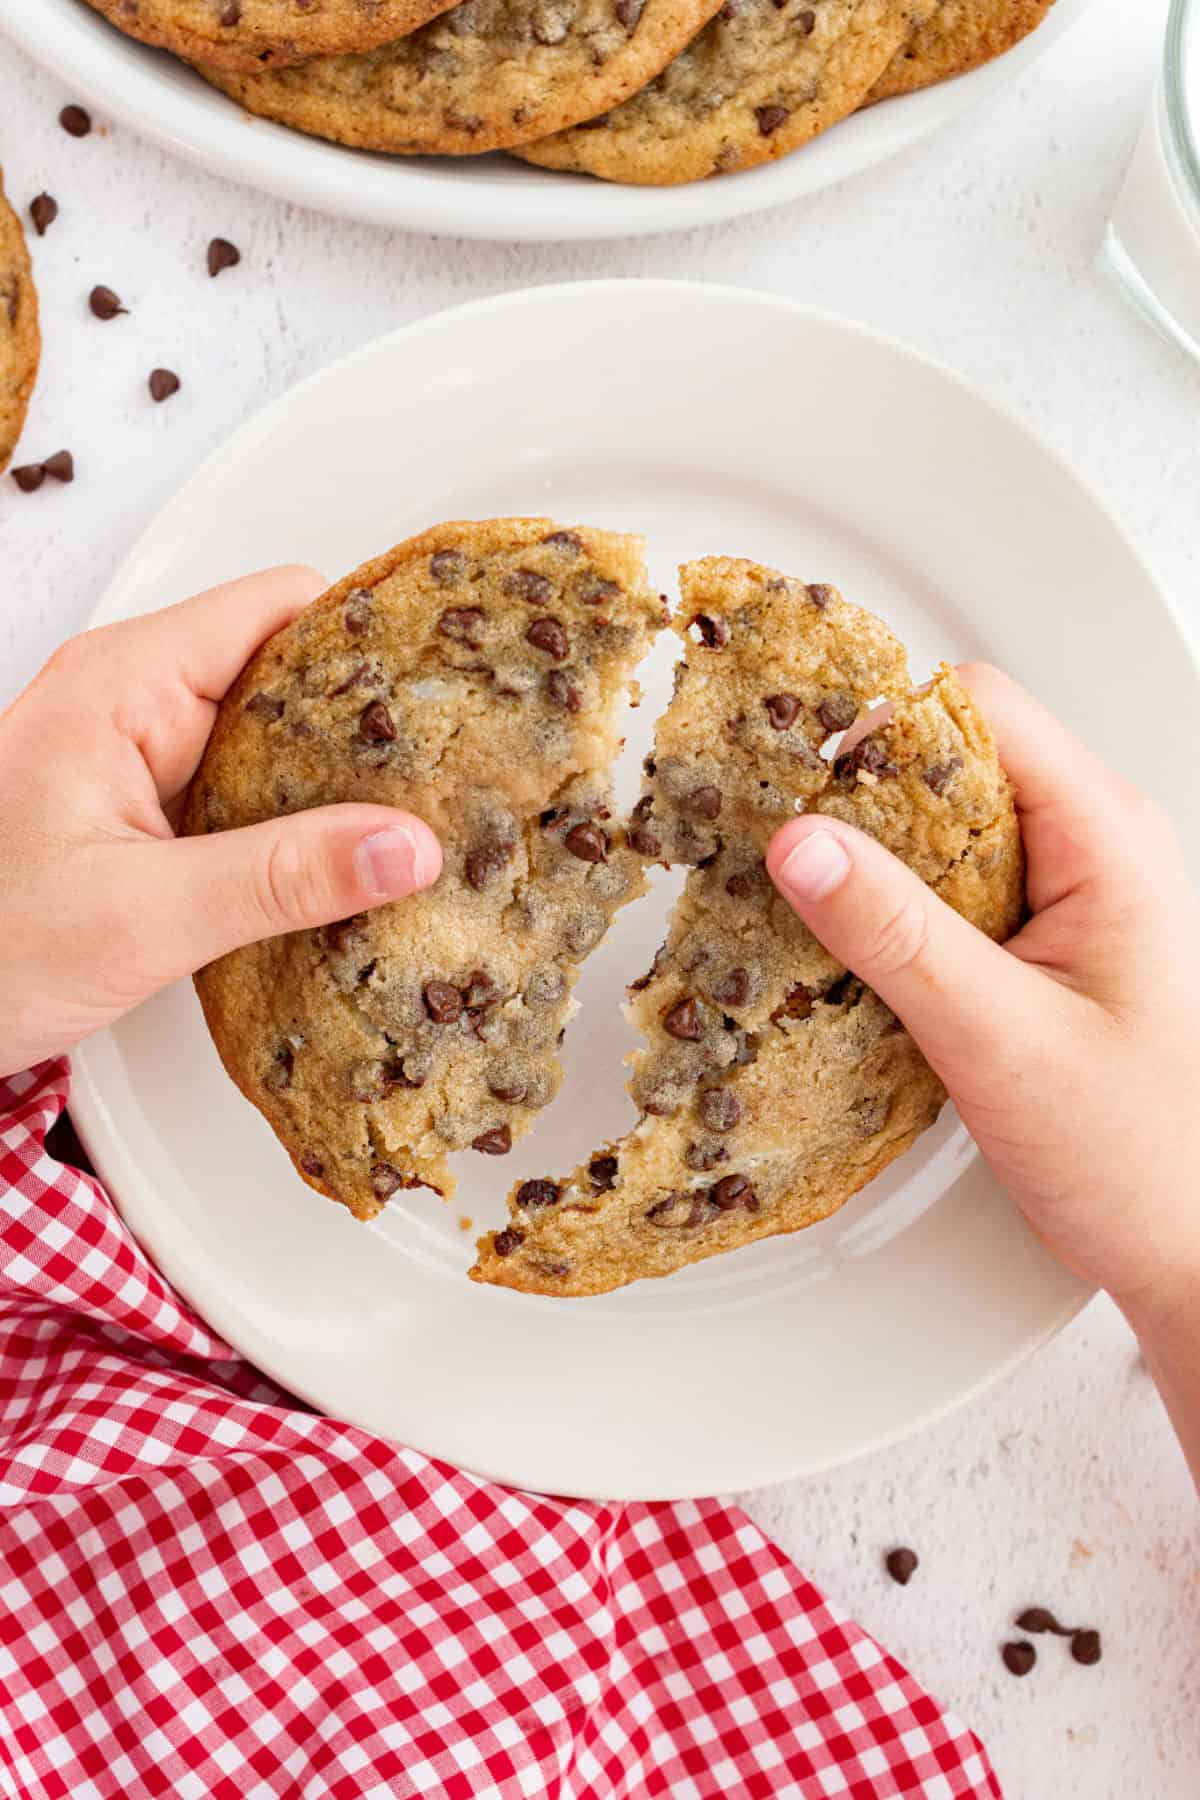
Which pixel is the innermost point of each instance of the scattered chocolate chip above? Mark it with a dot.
(569, 542)
(680, 1212)
(484, 861)
(720, 1109)
(733, 989)
(870, 756)
(548, 635)
(820, 593)
(684, 1021)
(599, 592)
(731, 1191)
(265, 706)
(443, 1002)
(705, 802)
(644, 841)
(527, 584)
(385, 1180)
(105, 304)
(705, 1156)
(481, 990)
(163, 383)
(375, 724)
(770, 118)
(496, 1142)
(837, 712)
(782, 710)
(75, 121)
(222, 255)
(340, 933)
(805, 22)
(602, 1173)
(538, 1193)
(1038, 1618)
(745, 882)
(587, 842)
(508, 1240)
(628, 12)
(462, 623)
(279, 1076)
(29, 477)
(796, 1004)
(231, 12)
(357, 616)
(61, 466)
(714, 633)
(511, 1092)
(1085, 1647)
(1019, 1658)
(938, 778)
(43, 210)
(312, 1165)
(561, 692)
(902, 1564)
(447, 567)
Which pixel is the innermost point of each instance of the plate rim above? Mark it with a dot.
(297, 169)
(87, 1100)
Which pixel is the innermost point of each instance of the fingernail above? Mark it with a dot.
(394, 862)
(817, 866)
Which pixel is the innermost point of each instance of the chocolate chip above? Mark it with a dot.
(1019, 1658)
(705, 1156)
(820, 593)
(496, 1142)
(508, 1240)
(714, 633)
(511, 1092)
(341, 933)
(731, 1191)
(745, 882)
(644, 841)
(279, 1076)
(705, 802)
(61, 466)
(43, 210)
(561, 692)
(796, 1004)
(805, 22)
(527, 584)
(447, 567)
(837, 712)
(569, 542)
(222, 255)
(720, 1109)
(375, 724)
(938, 778)
(265, 706)
(548, 635)
(684, 1021)
(587, 842)
(1085, 1647)
(628, 12)
(104, 303)
(770, 118)
(462, 623)
(782, 710)
(231, 12)
(598, 592)
(602, 1173)
(733, 989)
(29, 477)
(869, 755)
(481, 990)
(357, 616)
(670, 1214)
(1039, 1618)
(163, 383)
(902, 1564)
(385, 1180)
(538, 1193)
(443, 1002)
(75, 121)
(484, 861)
(312, 1165)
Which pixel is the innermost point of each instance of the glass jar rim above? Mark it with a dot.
(1183, 25)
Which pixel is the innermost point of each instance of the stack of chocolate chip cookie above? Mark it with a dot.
(645, 91)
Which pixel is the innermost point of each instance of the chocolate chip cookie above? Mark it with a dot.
(763, 78)
(473, 676)
(961, 35)
(486, 74)
(260, 34)
(20, 340)
(773, 1084)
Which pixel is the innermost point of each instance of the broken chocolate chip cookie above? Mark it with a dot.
(20, 339)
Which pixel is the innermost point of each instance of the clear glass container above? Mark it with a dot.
(1153, 237)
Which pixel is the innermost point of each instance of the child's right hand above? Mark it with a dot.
(1072, 1054)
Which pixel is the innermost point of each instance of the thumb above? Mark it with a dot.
(968, 1003)
(309, 868)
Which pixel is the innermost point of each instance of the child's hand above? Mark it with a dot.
(1073, 1054)
(100, 905)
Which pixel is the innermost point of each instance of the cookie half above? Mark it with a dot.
(261, 34)
(487, 74)
(20, 339)
(773, 1084)
(961, 35)
(473, 675)
(763, 78)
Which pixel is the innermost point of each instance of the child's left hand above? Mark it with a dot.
(100, 904)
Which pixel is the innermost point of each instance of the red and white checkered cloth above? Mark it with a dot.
(207, 1591)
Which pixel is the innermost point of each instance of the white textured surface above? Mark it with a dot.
(1064, 1487)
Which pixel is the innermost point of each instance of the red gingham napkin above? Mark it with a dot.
(208, 1592)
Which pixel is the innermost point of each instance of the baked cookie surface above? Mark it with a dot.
(773, 1084)
(260, 34)
(759, 81)
(20, 339)
(487, 74)
(473, 676)
(961, 35)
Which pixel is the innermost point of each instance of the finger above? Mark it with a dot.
(969, 1004)
(235, 887)
(1065, 795)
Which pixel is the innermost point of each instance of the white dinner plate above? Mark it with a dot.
(475, 197)
(809, 443)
